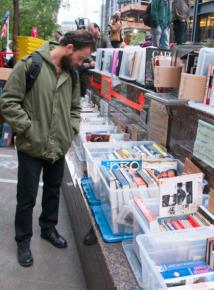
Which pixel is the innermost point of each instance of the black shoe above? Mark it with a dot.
(25, 257)
(54, 238)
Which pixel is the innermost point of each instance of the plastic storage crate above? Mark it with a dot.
(78, 140)
(159, 249)
(95, 153)
(115, 204)
(78, 163)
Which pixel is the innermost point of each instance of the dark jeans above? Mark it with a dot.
(115, 44)
(29, 171)
(180, 29)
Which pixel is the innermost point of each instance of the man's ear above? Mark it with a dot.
(70, 48)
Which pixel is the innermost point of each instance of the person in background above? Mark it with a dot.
(181, 13)
(58, 35)
(45, 119)
(160, 22)
(101, 41)
(115, 28)
(148, 40)
(89, 63)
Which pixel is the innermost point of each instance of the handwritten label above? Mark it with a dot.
(203, 147)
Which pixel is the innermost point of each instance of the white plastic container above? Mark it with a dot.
(115, 204)
(159, 249)
(96, 152)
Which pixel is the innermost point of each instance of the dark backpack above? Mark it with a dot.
(147, 16)
(34, 71)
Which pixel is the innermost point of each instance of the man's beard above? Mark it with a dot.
(65, 63)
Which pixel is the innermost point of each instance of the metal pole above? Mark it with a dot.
(195, 31)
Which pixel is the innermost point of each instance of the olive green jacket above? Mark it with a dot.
(46, 118)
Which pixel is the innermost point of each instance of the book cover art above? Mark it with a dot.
(180, 195)
(151, 53)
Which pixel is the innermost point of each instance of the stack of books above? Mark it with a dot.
(118, 177)
(147, 151)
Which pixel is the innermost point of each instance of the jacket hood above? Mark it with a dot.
(44, 51)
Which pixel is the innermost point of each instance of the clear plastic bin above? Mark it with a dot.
(96, 152)
(159, 249)
(140, 225)
(115, 204)
(78, 163)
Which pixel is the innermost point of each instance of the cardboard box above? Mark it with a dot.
(5, 73)
(167, 77)
(192, 87)
(211, 201)
(158, 123)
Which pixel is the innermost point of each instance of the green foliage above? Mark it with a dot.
(138, 38)
(39, 13)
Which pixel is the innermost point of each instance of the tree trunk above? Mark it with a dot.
(15, 22)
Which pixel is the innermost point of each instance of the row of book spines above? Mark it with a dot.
(134, 178)
(181, 224)
(192, 221)
(148, 150)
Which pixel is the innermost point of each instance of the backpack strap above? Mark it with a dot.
(33, 70)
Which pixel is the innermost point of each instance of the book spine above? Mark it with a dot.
(180, 222)
(170, 226)
(162, 152)
(206, 214)
(119, 176)
(176, 225)
(193, 221)
(146, 212)
(202, 219)
(207, 85)
(145, 150)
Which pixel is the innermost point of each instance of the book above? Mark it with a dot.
(180, 195)
(91, 137)
(119, 176)
(206, 213)
(110, 178)
(193, 222)
(180, 265)
(196, 285)
(146, 212)
(148, 179)
(137, 179)
(192, 280)
(128, 178)
(209, 84)
(209, 249)
(202, 219)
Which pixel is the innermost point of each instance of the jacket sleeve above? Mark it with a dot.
(12, 99)
(76, 108)
(154, 13)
